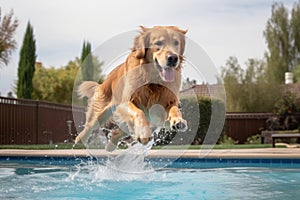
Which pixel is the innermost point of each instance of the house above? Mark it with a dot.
(215, 90)
(204, 90)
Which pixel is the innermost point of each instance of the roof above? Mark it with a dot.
(205, 90)
(215, 90)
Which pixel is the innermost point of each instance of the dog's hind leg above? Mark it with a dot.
(116, 135)
(95, 114)
(129, 113)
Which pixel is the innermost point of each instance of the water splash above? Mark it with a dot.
(132, 160)
(129, 165)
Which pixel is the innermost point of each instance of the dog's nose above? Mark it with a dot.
(172, 60)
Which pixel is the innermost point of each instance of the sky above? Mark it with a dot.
(222, 28)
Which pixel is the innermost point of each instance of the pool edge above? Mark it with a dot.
(228, 153)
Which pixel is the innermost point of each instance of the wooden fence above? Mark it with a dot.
(240, 126)
(37, 122)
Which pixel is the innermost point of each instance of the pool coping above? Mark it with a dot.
(261, 153)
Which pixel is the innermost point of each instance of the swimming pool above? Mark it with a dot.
(185, 178)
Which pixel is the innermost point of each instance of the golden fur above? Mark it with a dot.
(150, 75)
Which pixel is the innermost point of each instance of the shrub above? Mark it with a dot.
(287, 104)
(227, 140)
(201, 130)
(254, 139)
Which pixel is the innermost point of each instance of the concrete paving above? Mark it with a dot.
(293, 153)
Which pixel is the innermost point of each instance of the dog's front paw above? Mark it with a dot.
(143, 134)
(177, 123)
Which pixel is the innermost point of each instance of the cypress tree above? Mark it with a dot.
(87, 67)
(26, 65)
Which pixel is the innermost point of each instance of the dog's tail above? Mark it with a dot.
(87, 89)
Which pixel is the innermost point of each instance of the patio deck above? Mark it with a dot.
(293, 153)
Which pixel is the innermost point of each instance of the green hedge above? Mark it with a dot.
(198, 113)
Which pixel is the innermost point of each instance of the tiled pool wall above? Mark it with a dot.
(193, 163)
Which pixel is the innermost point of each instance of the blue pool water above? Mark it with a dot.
(84, 178)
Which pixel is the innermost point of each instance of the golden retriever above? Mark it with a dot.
(141, 93)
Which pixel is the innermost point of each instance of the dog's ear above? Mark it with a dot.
(175, 28)
(182, 38)
(139, 46)
(182, 44)
(144, 29)
(183, 31)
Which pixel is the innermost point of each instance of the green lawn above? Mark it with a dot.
(80, 146)
(43, 146)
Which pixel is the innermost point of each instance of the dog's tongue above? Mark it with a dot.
(168, 75)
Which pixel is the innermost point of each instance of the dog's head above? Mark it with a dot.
(163, 46)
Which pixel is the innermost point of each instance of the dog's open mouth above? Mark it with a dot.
(166, 73)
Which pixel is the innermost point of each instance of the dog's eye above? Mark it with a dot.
(158, 43)
(176, 43)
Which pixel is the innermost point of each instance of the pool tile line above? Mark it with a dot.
(183, 162)
(265, 153)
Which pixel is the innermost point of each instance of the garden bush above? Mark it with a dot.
(198, 113)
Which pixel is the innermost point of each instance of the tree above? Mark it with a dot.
(26, 65)
(87, 67)
(188, 83)
(98, 76)
(277, 35)
(255, 71)
(55, 84)
(231, 75)
(295, 34)
(296, 72)
(90, 65)
(247, 90)
(282, 35)
(8, 27)
(10, 94)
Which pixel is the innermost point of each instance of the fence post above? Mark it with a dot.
(37, 122)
